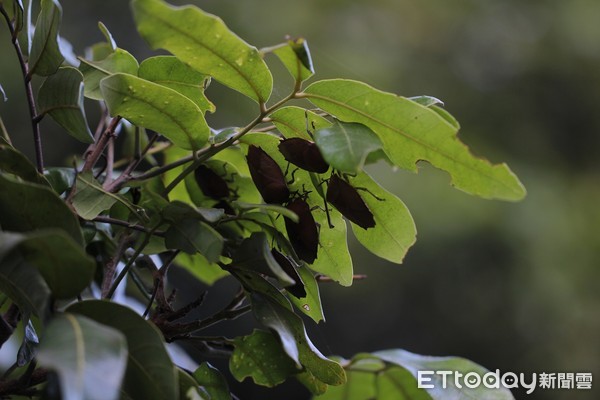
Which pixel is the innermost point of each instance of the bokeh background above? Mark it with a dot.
(513, 286)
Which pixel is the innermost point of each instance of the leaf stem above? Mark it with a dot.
(37, 135)
(126, 224)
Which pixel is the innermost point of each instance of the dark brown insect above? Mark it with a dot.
(304, 234)
(211, 184)
(346, 199)
(267, 176)
(304, 154)
(297, 290)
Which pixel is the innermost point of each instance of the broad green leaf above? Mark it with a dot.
(254, 254)
(180, 192)
(156, 107)
(21, 281)
(345, 146)
(311, 304)
(314, 385)
(45, 56)
(202, 41)
(295, 341)
(107, 35)
(294, 121)
(397, 381)
(394, 232)
(26, 28)
(212, 381)
(199, 267)
(90, 199)
(14, 162)
(60, 179)
(172, 73)
(416, 362)
(29, 346)
(295, 56)
(193, 236)
(93, 72)
(61, 96)
(89, 357)
(27, 206)
(150, 373)
(65, 266)
(260, 357)
(411, 132)
(359, 386)
(189, 388)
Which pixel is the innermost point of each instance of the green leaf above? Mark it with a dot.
(394, 231)
(89, 357)
(118, 60)
(314, 385)
(60, 179)
(202, 41)
(260, 357)
(150, 373)
(189, 388)
(359, 386)
(107, 35)
(26, 28)
(292, 121)
(14, 162)
(416, 362)
(156, 107)
(45, 56)
(27, 206)
(212, 381)
(29, 346)
(427, 101)
(345, 146)
(90, 199)
(311, 304)
(65, 266)
(295, 56)
(172, 73)
(21, 281)
(254, 254)
(61, 96)
(199, 267)
(284, 212)
(411, 132)
(396, 381)
(295, 341)
(193, 236)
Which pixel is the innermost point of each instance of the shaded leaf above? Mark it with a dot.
(118, 60)
(61, 96)
(311, 303)
(295, 56)
(60, 179)
(193, 236)
(281, 210)
(345, 146)
(89, 357)
(292, 121)
(14, 162)
(411, 132)
(26, 28)
(150, 373)
(189, 388)
(156, 107)
(45, 56)
(27, 206)
(172, 73)
(394, 232)
(212, 381)
(90, 199)
(202, 41)
(260, 357)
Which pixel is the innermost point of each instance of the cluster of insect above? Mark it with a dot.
(272, 185)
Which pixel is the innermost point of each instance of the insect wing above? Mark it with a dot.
(346, 199)
(304, 234)
(304, 154)
(267, 176)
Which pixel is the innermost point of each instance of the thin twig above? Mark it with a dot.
(111, 266)
(96, 150)
(125, 224)
(37, 135)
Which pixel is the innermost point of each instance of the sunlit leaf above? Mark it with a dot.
(394, 231)
(294, 121)
(150, 373)
(345, 146)
(156, 107)
(172, 73)
(89, 357)
(45, 56)
(118, 60)
(202, 41)
(260, 357)
(411, 132)
(61, 96)
(107, 35)
(212, 381)
(311, 304)
(295, 56)
(27, 206)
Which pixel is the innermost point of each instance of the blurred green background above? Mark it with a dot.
(510, 286)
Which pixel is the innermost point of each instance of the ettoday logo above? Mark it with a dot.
(472, 380)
